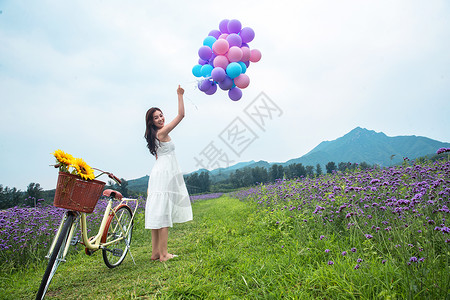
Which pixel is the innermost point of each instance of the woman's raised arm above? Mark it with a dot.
(164, 132)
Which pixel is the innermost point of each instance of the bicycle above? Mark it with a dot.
(113, 237)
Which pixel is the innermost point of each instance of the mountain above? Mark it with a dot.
(362, 144)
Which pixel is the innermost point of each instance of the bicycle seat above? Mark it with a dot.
(112, 193)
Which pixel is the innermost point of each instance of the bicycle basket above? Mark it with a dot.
(74, 193)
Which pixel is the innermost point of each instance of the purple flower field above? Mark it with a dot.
(205, 197)
(26, 232)
(397, 216)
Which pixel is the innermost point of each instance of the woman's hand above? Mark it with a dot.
(180, 90)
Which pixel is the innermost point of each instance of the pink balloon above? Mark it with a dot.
(245, 54)
(255, 55)
(221, 61)
(234, 54)
(223, 36)
(220, 47)
(242, 81)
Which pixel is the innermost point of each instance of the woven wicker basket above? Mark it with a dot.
(74, 193)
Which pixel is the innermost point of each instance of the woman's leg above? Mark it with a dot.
(155, 244)
(163, 238)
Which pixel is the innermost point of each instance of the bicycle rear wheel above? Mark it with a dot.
(119, 228)
(57, 255)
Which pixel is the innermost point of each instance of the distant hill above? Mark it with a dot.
(362, 144)
(359, 145)
(139, 185)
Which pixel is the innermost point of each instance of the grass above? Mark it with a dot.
(227, 252)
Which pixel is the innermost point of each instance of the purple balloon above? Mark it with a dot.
(226, 84)
(212, 89)
(247, 34)
(235, 94)
(202, 61)
(204, 85)
(234, 26)
(234, 39)
(205, 52)
(223, 26)
(218, 74)
(215, 33)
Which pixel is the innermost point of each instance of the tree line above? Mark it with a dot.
(10, 197)
(248, 176)
(35, 194)
(198, 183)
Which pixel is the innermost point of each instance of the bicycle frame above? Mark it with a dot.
(95, 242)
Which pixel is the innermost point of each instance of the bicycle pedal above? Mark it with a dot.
(117, 252)
(88, 252)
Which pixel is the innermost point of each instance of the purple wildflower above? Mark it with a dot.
(442, 150)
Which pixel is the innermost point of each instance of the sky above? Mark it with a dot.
(80, 75)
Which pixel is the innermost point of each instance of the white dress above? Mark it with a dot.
(168, 200)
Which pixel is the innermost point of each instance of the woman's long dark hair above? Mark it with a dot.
(150, 130)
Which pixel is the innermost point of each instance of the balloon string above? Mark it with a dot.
(195, 88)
(192, 102)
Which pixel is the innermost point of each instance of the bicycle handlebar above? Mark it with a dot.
(110, 175)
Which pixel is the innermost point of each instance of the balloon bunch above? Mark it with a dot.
(224, 59)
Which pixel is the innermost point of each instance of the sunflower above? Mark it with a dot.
(83, 169)
(64, 159)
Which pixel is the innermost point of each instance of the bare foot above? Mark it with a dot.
(154, 257)
(167, 257)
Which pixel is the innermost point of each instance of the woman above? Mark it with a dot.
(168, 200)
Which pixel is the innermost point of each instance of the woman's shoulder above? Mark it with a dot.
(163, 139)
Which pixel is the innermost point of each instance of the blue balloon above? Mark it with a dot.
(243, 66)
(209, 41)
(197, 70)
(206, 70)
(234, 70)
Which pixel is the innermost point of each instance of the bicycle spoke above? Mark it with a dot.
(118, 236)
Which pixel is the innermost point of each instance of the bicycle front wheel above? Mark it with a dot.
(57, 255)
(118, 231)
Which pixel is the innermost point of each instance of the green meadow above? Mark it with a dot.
(292, 239)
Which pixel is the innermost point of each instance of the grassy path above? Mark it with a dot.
(222, 255)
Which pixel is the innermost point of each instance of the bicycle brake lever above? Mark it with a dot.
(110, 175)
